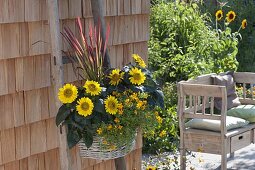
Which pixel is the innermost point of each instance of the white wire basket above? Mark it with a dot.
(96, 151)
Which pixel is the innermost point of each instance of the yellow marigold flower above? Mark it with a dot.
(137, 76)
(68, 93)
(244, 24)
(151, 167)
(109, 127)
(231, 15)
(127, 100)
(111, 105)
(85, 106)
(139, 104)
(99, 131)
(134, 96)
(120, 127)
(120, 107)
(159, 119)
(139, 60)
(156, 113)
(113, 147)
(116, 120)
(219, 14)
(162, 133)
(116, 77)
(92, 87)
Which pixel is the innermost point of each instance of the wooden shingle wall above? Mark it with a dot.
(28, 135)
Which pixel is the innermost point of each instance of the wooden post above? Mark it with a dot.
(97, 11)
(57, 76)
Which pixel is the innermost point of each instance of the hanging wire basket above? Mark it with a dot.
(96, 151)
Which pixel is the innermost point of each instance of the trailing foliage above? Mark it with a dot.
(245, 10)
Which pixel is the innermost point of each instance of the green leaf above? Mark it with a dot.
(63, 113)
(88, 138)
(72, 138)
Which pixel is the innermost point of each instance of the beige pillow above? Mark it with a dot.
(214, 125)
(228, 81)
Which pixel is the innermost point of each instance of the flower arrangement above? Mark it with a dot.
(111, 104)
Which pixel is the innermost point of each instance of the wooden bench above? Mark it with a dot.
(195, 98)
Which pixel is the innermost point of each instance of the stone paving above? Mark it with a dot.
(244, 159)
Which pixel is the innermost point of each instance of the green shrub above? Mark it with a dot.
(245, 10)
(166, 135)
(183, 45)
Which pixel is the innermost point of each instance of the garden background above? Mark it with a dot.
(185, 42)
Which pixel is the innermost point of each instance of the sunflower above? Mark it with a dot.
(137, 76)
(111, 105)
(244, 24)
(139, 60)
(151, 167)
(231, 15)
(219, 14)
(85, 106)
(68, 93)
(92, 87)
(116, 77)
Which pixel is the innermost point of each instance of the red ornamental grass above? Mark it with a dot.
(89, 52)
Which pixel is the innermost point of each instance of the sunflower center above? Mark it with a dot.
(68, 93)
(137, 76)
(112, 105)
(115, 77)
(85, 106)
(219, 15)
(231, 16)
(92, 87)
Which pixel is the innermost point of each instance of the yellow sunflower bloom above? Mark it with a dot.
(219, 14)
(244, 24)
(85, 106)
(151, 167)
(92, 87)
(111, 105)
(139, 60)
(116, 77)
(68, 93)
(231, 15)
(137, 76)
